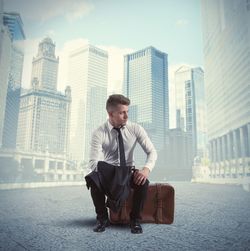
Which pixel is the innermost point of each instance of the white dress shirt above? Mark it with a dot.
(105, 144)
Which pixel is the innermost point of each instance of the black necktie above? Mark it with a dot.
(121, 147)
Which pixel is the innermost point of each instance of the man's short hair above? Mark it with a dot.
(116, 99)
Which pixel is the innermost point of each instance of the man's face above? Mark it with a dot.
(119, 116)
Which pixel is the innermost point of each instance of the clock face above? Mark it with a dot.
(47, 49)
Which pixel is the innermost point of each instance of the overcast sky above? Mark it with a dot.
(118, 26)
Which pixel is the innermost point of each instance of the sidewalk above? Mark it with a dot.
(207, 217)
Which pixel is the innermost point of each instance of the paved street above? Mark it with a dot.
(207, 217)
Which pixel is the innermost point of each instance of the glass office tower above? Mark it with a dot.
(226, 36)
(5, 58)
(146, 84)
(14, 22)
(190, 106)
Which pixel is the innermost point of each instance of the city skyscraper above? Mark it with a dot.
(190, 106)
(15, 25)
(5, 56)
(146, 85)
(226, 36)
(45, 65)
(14, 21)
(88, 78)
(43, 124)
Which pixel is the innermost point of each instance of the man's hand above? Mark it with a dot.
(141, 176)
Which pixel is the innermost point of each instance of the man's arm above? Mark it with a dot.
(95, 150)
(148, 147)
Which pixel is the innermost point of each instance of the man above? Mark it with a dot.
(114, 143)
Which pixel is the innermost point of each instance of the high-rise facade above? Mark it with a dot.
(15, 25)
(226, 36)
(5, 56)
(190, 106)
(11, 117)
(43, 124)
(16, 67)
(146, 85)
(88, 78)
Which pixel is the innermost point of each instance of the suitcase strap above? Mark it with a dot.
(123, 212)
(159, 218)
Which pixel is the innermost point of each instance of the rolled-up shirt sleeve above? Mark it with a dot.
(147, 146)
(95, 150)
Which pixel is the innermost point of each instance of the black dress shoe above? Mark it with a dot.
(135, 227)
(101, 225)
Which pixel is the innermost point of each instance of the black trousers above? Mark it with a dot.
(139, 197)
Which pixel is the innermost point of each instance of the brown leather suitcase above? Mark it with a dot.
(158, 207)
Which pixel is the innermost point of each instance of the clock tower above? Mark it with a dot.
(45, 66)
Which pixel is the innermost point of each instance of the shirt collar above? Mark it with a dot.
(110, 127)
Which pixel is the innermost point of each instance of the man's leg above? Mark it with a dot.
(98, 198)
(139, 197)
